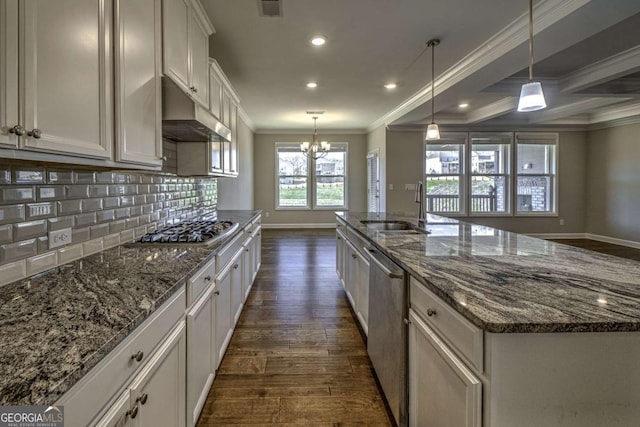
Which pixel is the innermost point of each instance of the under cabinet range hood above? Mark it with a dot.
(184, 120)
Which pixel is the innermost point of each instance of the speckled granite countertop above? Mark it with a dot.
(57, 325)
(508, 282)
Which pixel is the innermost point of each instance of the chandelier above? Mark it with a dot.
(316, 149)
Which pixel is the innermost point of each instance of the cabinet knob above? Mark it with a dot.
(431, 312)
(406, 321)
(246, 250)
(216, 292)
(163, 158)
(207, 278)
(17, 130)
(142, 399)
(354, 256)
(235, 266)
(35, 133)
(133, 412)
(137, 356)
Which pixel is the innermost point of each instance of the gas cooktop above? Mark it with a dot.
(195, 232)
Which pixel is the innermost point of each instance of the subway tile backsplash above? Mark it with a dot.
(103, 209)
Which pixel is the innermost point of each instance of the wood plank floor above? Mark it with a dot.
(606, 248)
(297, 356)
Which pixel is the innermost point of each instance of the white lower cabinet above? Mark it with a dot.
(156, 395)
(352, 267)
(257, 249)
(201, 353)
(443, 392)
(362, 291)
(237, 299)
(351, 276)
(340, 256)
(247, 269)
(223, 324)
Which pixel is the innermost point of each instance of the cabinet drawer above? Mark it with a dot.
(224, 256)
(457, 331)
(200, 281)
(358, 242)
(89, 395)
(257, 221)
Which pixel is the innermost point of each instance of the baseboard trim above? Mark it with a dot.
(614, 240)
(559, 235)
(301, 225)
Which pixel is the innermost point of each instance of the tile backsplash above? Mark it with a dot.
(102, 209)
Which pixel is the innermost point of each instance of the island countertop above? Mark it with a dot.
(57, 325)
(505, 282)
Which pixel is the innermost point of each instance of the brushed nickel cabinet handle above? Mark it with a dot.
(17, 130)
(163, 158)
(207, 278)
(35, 133)
(216, 292)
(133, 412)
(137, 356)
(354, 256)
(431, 312)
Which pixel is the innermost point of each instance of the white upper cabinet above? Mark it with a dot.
(9, 73)
(67, 77)
(186, 31)
(138, 61)
(215, 91)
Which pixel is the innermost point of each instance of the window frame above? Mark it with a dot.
(458, 138)
(508, 176)
(311, 200)
(553, 139)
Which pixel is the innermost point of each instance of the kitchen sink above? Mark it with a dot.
(399, 226)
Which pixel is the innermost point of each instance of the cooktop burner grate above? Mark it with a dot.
(191, 232)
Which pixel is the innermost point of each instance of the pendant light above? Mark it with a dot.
(531, 95)
(433, 132)
(316, 150)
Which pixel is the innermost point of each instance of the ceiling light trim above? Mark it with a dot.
(498, 45)
(607, 69)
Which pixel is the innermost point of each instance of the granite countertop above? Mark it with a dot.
(508, 282)
(57, 325)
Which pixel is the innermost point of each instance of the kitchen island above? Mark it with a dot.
(514, 330)
(58, 325)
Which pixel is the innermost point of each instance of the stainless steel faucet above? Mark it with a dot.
(420, 199)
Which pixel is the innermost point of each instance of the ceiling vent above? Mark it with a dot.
(270, 8)
(315, 113)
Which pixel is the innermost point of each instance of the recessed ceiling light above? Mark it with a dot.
(463, 105)
(312, 85)
(318, 40)
(391, 86)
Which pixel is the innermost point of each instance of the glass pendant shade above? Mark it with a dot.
(531, 97)
(433, 132)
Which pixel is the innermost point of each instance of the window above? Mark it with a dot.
(293, 181)
(536, 157)
(490, 160)
(296, 187)
(444, 174)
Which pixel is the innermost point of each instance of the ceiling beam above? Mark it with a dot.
(618, 65)
(571, 109)
(495, 109)
(616, 113)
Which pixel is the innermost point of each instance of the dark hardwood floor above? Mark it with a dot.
(606, 248)
(297, 356)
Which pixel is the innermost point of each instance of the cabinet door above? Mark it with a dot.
(159, 390)
(216, 156)
(340, 257)
(351, 280)
(233, 124)
(137, 77)
(199, 51)
(175, 31)
(68, 75)
(247, 269)
(257, 253)
(215, 94)
(226, 108)
(362, 298)
(119, 414)
(223, 312)
(201, 353)
(226, 157)
(8, 72)
(443, 392)
(236, 286)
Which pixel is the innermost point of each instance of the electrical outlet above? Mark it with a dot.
(59, 238)
(266, 214)
(390, 186)
(561, 221)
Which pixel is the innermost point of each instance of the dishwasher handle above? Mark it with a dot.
(381, 261)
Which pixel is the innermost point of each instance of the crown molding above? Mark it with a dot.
(246, 119)
(307, 132)
(203, 17)
(513, 35)
(605, 70)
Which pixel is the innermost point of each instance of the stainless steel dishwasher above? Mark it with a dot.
(387, 339)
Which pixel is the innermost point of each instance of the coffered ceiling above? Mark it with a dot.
(587, 57)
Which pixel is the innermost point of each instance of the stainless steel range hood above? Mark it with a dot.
(184, 120)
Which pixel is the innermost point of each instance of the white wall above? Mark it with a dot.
(613, 171)
(237, 193)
